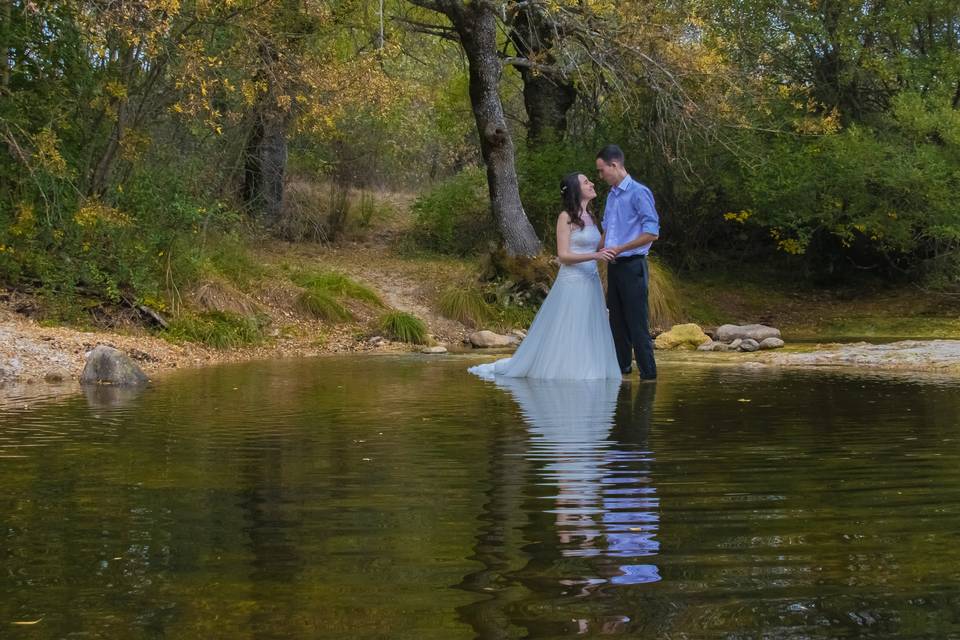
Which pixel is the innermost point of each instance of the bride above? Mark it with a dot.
(570, 336)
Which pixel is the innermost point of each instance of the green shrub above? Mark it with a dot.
(454, 216)
(398, 325)
(540, 171)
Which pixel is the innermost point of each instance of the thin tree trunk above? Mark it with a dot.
(5, 45)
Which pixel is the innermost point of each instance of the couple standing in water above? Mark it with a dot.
(576, 335)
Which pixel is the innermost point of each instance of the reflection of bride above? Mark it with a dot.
(605, 508)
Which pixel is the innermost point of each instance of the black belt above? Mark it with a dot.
(636, 256)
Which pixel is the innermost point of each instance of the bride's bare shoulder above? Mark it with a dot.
(564, 217)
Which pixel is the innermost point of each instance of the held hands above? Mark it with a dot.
(607, 254)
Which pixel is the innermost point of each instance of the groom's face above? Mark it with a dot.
(607, 172)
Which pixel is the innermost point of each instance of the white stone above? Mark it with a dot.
(758, 332)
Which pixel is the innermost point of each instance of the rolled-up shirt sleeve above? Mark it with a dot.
(646, 210)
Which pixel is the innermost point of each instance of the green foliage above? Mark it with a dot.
(540, 171)
(402, 326)
(465, 304)
(218, 329)
(869, 195)
(454, 216)
(509, 315)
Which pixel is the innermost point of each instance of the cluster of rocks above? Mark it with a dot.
(728, 337)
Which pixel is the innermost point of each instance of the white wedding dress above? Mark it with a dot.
(570, 337)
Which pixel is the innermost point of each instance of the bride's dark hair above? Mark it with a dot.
(570, 197)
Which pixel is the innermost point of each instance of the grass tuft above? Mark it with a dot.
(336, 284)
(466, 305)
(663, 297)
(404, 327)
(321, 304)
(217, 329)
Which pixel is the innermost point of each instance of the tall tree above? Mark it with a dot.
(475, 25)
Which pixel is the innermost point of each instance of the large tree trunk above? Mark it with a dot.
(265, 165)
(475, 23)
(547, 101)
(547, 94)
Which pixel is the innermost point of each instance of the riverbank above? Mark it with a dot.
(34, 351)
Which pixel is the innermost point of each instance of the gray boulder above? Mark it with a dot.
(749, 344)
(771, 343)
(106, 365)
(758, 332)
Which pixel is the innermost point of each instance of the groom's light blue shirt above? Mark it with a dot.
(629, 212)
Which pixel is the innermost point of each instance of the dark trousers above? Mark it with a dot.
(627, 283)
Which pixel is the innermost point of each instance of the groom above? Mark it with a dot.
(631, 224)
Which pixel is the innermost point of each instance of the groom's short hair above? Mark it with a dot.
(610, 154)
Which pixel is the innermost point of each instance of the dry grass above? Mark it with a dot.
(664, 297)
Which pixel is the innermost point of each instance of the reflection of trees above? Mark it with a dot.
(588, 512)
(271, 522)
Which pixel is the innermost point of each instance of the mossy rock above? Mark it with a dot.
(681, 336)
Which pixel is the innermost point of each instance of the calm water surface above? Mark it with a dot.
(400, 497)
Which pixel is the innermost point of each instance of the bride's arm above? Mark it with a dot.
(563, 245)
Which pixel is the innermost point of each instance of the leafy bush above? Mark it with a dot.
(454, 216)
(540, 172)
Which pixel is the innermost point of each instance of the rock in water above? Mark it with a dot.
(56, 376)
(749, 344)
(681, 336)
(434, 350)
(106, 365)
(771, 343)
(487, 339)
(758, 332)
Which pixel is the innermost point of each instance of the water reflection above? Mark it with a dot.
(108, 397)
(595, 514)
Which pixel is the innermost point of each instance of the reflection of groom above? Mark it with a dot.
(631, 224)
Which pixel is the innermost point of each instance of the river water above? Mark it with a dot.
(400, 497)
